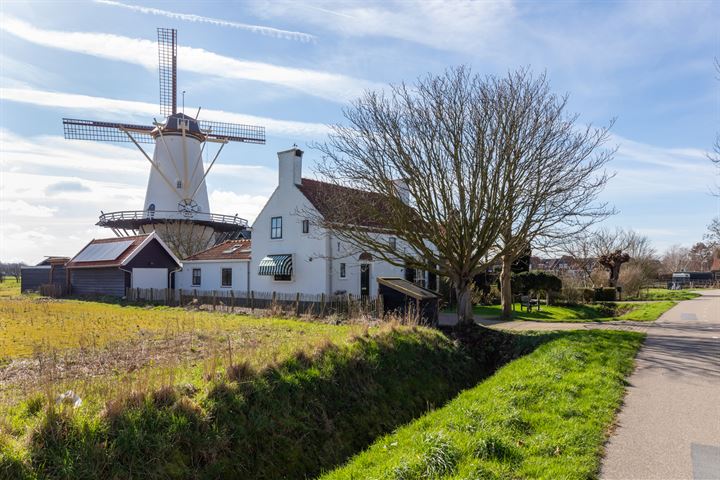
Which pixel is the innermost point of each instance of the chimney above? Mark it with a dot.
(402, 190)
(290, 167)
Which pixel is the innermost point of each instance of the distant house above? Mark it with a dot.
(715, 268)
(51, 271)
(290, 254)
(225, 266)
(110, 266)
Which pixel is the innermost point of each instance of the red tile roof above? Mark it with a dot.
(117, 261)
(338, 204)
(227, 250)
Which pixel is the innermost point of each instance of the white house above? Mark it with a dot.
(226, 266)
(290, 254)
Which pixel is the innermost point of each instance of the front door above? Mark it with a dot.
(364, 279)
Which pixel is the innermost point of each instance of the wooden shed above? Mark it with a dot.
(403, 297)
(110, 266)
(50, 271)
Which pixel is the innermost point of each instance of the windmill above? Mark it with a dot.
(176, 200)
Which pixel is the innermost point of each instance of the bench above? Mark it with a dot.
(529, 303)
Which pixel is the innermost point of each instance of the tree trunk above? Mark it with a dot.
(614, 276)
(506, 287)
(463, 289)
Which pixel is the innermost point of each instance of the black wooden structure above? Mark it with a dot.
(405, 298)
(108, 266)
(50, 271)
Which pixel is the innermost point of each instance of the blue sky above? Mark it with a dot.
(292, 66)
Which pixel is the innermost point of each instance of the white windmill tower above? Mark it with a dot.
(176, 201)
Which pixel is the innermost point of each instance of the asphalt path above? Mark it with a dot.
(669, 425)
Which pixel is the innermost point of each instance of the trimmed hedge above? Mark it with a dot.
(294, 420)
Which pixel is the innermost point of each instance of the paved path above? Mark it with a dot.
(669, 426)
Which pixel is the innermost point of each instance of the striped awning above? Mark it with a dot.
(276, 265)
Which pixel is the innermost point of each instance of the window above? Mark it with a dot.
(343, 271)
(393, 242)
(178, 183)
(276, 227)
(282, 278)
(305, 226)
(195, 277)
(227, 277)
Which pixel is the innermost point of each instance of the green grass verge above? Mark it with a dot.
(664, 294)
(292, 420)
(644, 312)
(545, 415)
(596, 312)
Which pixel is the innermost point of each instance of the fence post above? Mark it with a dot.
(214, 294)
(252, 301)
(180, 302)
(379, 306)
(232, 301)
(297, 304)
(322, 305)
(137, 294)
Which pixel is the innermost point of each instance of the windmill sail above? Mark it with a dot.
(76, 129)
(233, 132)
(167, 62)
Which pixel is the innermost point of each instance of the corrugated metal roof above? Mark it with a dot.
(407, 287)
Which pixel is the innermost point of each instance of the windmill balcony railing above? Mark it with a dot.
(159, 215)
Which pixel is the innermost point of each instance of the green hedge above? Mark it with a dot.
(294, 420)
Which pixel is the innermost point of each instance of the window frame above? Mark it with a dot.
(306, 226)
(199, 277)
(285, 278)
(392, 243)
(222, 277)
(343, 270)
(274, 228)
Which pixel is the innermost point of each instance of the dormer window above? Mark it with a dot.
(178, 183)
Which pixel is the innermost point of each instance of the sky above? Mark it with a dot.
(293, 66)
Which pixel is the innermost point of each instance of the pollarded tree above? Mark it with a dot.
(612, 262)
(446, 155)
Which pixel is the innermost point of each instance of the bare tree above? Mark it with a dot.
(713, 233)
(675, 259)
(446, 158)
(555, 171)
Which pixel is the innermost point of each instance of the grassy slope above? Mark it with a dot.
(582, 313)
(545, 415)
(292, 420)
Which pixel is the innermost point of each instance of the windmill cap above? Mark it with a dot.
(172, 126)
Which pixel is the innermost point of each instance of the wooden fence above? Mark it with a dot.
(317, 305)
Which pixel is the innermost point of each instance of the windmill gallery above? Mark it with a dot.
(176, 242)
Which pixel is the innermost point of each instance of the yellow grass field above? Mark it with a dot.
(97, 349)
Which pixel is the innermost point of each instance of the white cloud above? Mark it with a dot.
(245, 206)
(462, 25)
(21, 208)
(147, 111)
(331, 86)
(260, 29)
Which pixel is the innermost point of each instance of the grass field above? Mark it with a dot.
(9, 288)
(99, 350)
(664, 294)
(597, 312)
(545, 415)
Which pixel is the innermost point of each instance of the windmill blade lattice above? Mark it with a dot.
(167, 62)
(233, 132)
(76, 129)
